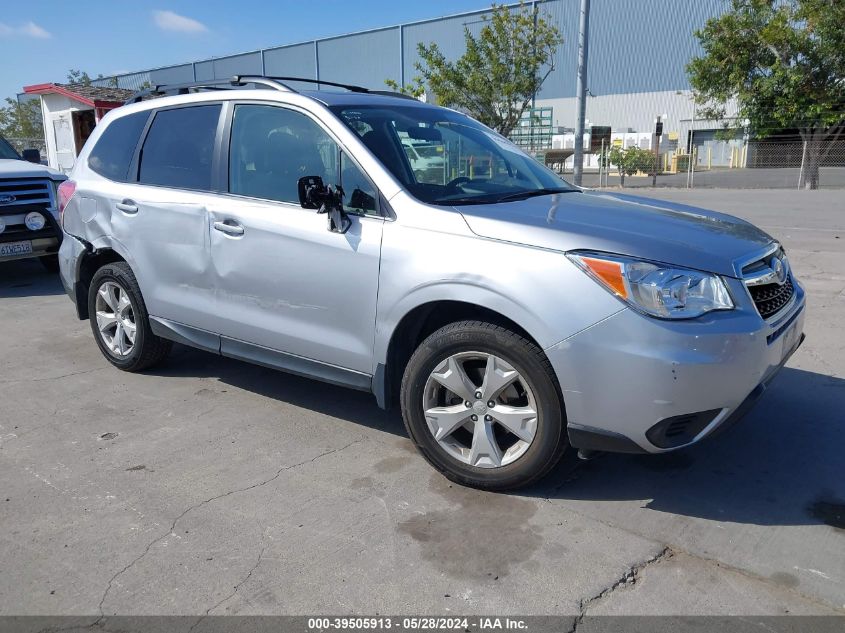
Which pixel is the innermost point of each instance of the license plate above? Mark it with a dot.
(789, 338)
(11, 249)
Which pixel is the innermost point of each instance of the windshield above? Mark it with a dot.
(7, 151)
(444, 157)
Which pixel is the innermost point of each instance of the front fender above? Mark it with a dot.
(539, 289)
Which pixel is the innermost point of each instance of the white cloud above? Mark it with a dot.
(170, 21)
(30, 29)
(33, 30)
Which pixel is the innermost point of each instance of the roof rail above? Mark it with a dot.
(350, 87)
(320, 82)
(238, 81)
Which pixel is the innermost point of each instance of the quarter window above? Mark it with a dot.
(179, 147)
(359, 194)
(111, 156)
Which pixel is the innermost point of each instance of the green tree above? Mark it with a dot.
(501, 71)
(630, 161)
(21, 119)
(75, 76)
(783, 63)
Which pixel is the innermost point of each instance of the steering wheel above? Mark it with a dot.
(453, 184)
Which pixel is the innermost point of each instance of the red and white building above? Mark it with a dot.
(70, 112)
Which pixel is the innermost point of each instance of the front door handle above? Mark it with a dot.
(229, 227)
(127, 206)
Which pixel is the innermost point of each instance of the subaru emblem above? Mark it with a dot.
(6, 198)
(779, 269)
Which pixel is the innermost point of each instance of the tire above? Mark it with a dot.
(50, 263)
(120, 285)
(460, 455)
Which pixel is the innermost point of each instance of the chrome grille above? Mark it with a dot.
(771, 298)
(25, 192)
(769, 282)
(19, 197)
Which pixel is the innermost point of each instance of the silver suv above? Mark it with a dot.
(509, 314)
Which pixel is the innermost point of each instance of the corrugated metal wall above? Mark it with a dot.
(636, 46)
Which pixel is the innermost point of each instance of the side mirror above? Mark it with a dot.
(32, 156)
(307, 186)
(313, 194)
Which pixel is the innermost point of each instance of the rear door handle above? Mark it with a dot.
(127, 206)
(229, 227)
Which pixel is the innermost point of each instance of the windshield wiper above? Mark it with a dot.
(522, 195)
(494, 199)
(467, 200)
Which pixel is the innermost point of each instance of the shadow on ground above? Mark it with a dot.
(784, 464)
(28, 278)
(347, 404)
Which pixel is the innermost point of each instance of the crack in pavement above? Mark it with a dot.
(572, 474)
(170, 531)
(233, 593)
(628, 579)
(48, 378)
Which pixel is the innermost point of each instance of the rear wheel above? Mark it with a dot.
(120, 321)
(482, 405)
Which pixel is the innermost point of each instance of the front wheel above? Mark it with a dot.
(482, 406)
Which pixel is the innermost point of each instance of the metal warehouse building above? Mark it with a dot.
(637, 58)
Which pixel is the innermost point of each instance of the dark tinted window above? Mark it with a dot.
(272, 148)
(7, 151)
(113, 152)
(179, 146)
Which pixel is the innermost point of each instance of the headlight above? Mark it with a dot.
(658, 290)
(34, 221)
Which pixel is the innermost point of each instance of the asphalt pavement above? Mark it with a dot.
(210, 486)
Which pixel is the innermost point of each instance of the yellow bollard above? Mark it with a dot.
(709, 158)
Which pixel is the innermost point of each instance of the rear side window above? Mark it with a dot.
(113, 152)
(179, 147)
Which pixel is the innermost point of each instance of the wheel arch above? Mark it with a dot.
(91, 261)
(415, 326)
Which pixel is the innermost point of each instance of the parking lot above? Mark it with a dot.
(209, 486)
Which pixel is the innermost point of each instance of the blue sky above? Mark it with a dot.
(41, 39)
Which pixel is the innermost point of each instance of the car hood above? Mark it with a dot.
(11, 168)
(627, 225)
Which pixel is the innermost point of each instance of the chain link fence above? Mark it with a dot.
(783, 159)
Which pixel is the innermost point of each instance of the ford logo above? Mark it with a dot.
(6, 198)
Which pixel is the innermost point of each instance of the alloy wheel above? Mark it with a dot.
(116, 319)
(480, 409)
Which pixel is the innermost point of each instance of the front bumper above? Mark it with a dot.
(631, 383)
(44, 242)
(41, 247)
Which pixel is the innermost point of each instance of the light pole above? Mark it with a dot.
(581, 92)
(690, 164)
(745, 124)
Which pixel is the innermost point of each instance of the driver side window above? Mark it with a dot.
(271, 148)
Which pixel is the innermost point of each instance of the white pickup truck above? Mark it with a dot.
(29, 216)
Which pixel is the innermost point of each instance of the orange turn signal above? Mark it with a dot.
(609, 272)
